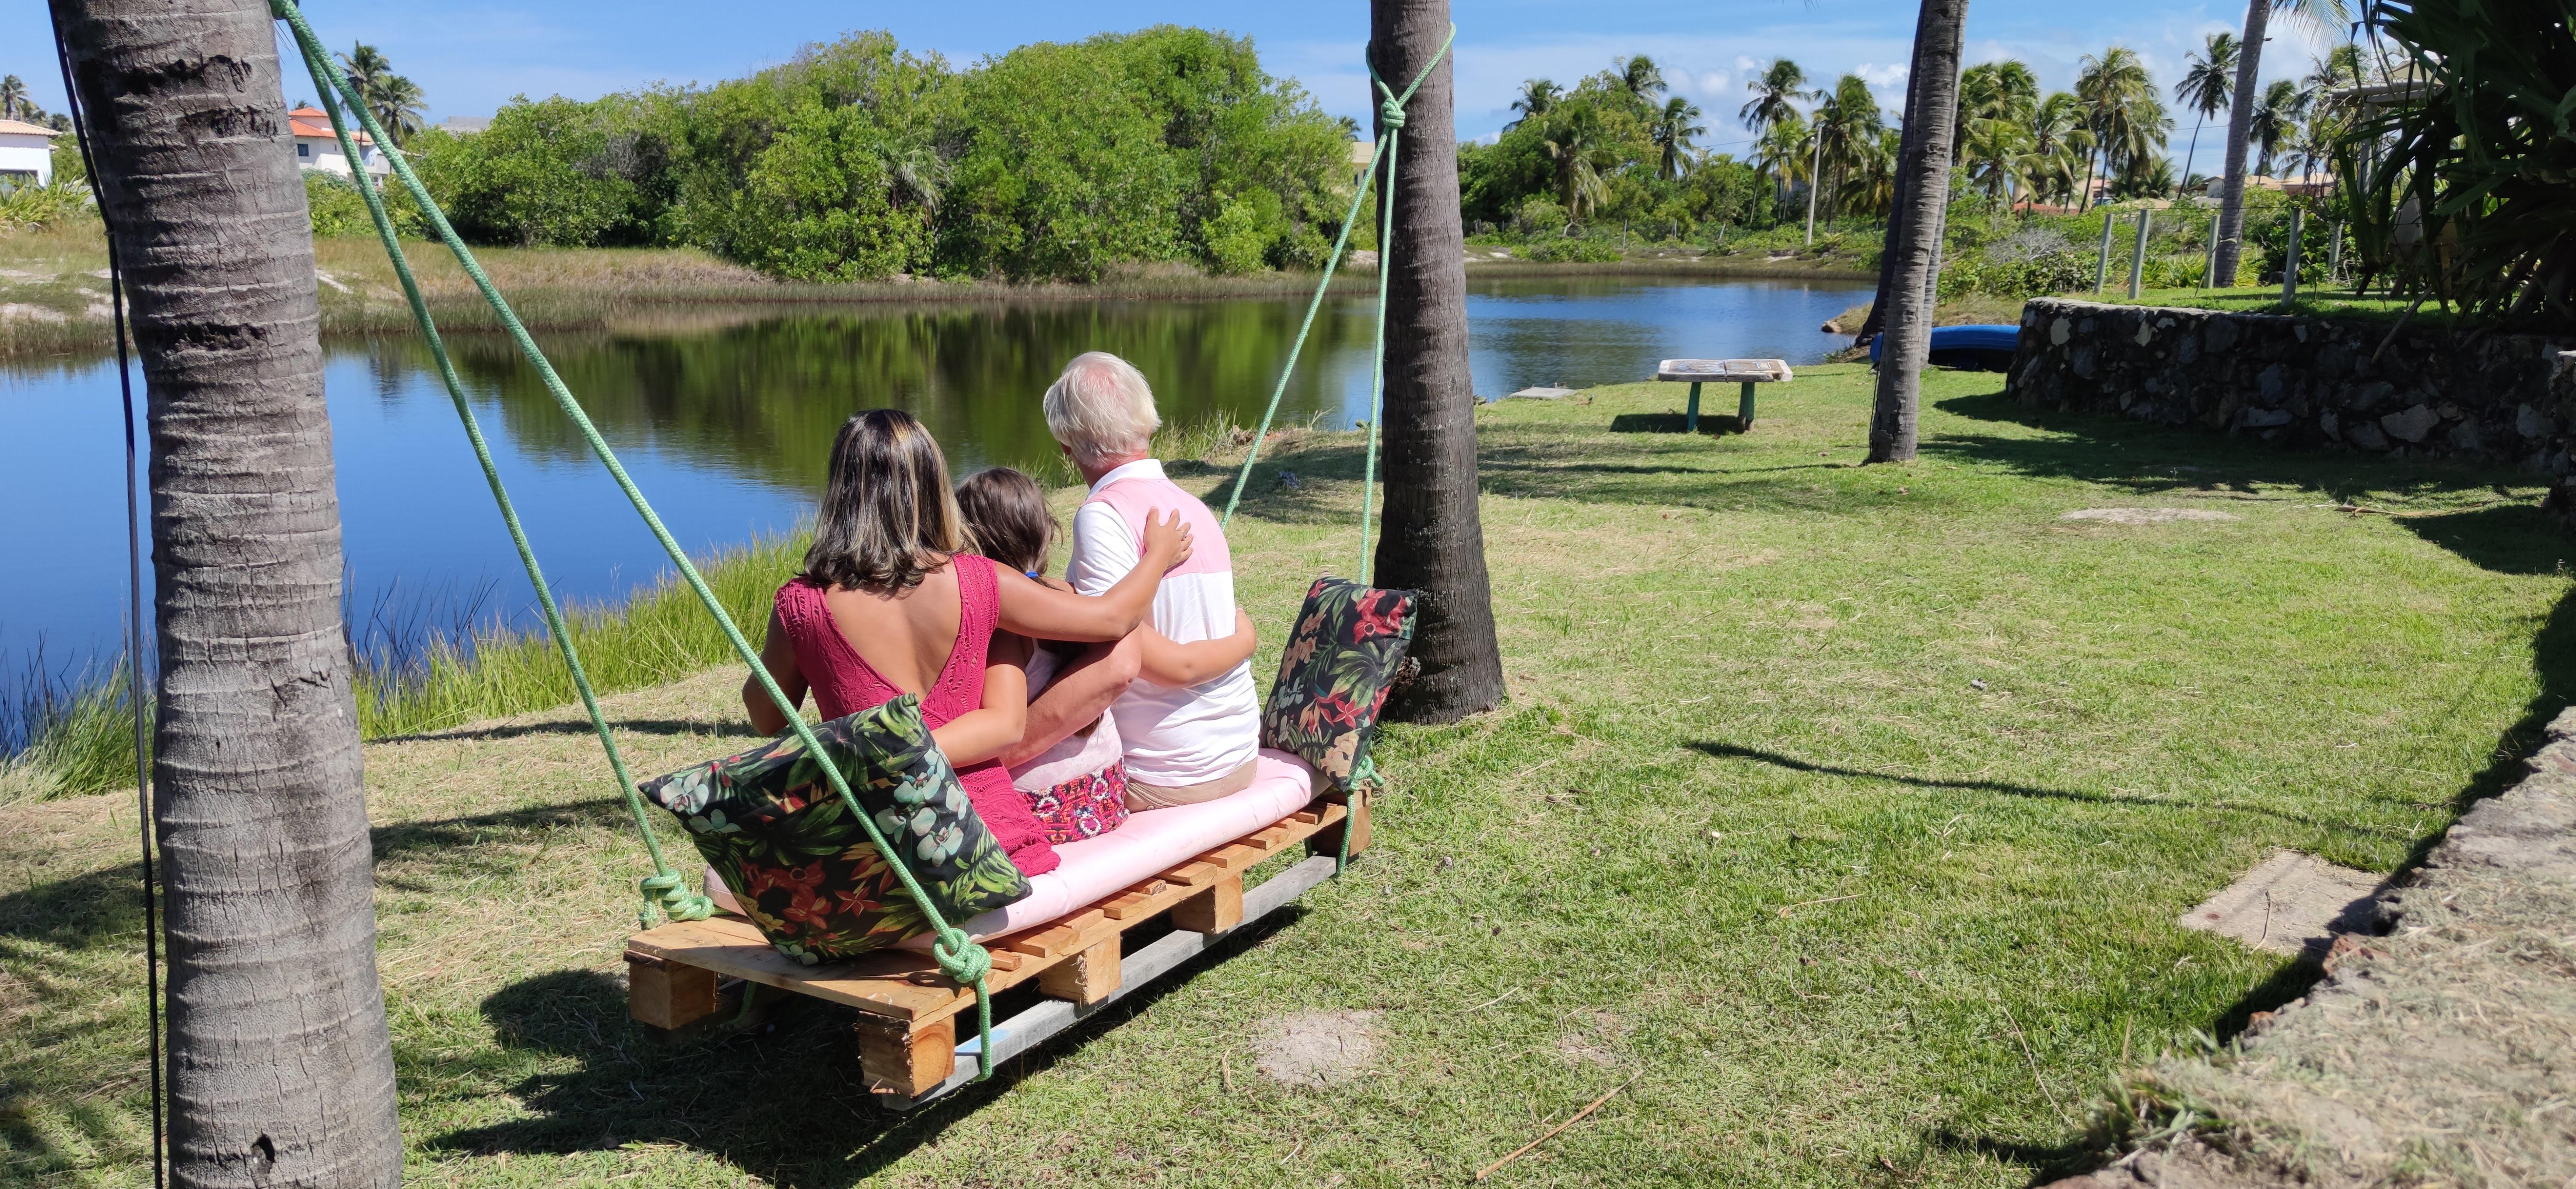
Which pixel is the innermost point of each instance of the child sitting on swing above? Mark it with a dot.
(1068, 759)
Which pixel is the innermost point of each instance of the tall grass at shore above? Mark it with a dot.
(67, 737)
(431, 662)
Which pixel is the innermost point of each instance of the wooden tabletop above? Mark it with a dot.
(1747, 371)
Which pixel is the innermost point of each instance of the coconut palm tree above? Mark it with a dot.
(1785, 154)
(1995, 153)
(2240, 120)
(1538, 95)
(13, 97)
(363, 64)
(1933, 109)
(2111, 85)
(1576, 144)
(1776, 92)
(2205, 88)
(1672, 133)
(2005, 90)
(281, 1072)
(1848, 123)
(2058, 140)
(1639, 77)
(2276, 120)
(397, 103)
(1434, 542)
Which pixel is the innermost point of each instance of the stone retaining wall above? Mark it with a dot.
(2306, 381)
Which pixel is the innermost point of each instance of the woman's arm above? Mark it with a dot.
(779, 657)
(1077, 698)
(1041, 613)
(1180, 665)
(980, 734)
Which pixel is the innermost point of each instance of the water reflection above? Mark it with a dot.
(725, 419)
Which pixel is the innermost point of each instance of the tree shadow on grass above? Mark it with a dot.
(1731, 751)
(709, 728)
(783, 1099)
(2114, 451)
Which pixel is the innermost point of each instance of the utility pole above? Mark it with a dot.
(1815, 172)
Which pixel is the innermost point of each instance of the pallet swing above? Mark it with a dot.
(908, 1001)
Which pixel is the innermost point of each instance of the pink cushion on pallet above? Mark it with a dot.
(1147, 845)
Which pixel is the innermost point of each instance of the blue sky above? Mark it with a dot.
(471, 56)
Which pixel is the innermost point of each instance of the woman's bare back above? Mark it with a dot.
(907, 636)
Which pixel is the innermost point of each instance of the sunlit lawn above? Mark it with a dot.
(1846, 810)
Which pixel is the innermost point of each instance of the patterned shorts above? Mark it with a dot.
(1086, 806)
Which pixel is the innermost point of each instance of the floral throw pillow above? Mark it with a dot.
(768, 821)
(1342, 658)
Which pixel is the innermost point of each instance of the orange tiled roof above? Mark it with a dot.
(23, 128)
(314, 122)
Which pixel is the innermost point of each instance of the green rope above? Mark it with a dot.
(663, 889)
(1390, 112)
(956, 953)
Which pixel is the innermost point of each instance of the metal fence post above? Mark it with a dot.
(2138, 257)
(2102, 266)
(2290, 262)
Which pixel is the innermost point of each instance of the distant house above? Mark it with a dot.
(317, 148)
(26, 154)
(464, 125)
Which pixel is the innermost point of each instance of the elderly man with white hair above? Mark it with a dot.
(1184, 745)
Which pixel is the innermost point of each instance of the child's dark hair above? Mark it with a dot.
(1007, 518)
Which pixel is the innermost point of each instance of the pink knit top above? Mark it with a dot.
(844, 683)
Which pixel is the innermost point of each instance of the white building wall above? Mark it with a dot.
(24, 153)
(316, 152)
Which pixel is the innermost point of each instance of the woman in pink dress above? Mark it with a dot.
(890, 603)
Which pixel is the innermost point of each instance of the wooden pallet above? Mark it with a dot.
(907, 1026)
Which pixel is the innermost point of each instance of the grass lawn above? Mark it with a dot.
(2314, 301)
(1846, 810)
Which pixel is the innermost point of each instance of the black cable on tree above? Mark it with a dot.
(133, 618)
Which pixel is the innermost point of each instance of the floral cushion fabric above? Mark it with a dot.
(1342, 658)
(768, 821)
(1086, 806)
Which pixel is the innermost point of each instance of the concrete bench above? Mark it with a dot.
(1747, 372)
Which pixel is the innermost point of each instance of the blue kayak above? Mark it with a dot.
(1968, 348)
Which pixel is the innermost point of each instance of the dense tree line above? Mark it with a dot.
(858, 160)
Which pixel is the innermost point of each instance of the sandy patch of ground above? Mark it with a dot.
(1316, 1050)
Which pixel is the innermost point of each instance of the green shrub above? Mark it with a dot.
(1239, 238)
(1574, 250)
(337, 209)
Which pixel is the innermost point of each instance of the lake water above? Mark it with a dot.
(726, 426)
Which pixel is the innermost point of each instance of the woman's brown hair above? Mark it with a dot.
(888, 518)
(1007, 518)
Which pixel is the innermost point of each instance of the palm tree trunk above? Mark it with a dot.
(2187, 157)
(280, 1069)
(2240, 125)
(1908, 146)
(1909, 318)
(1434, 541)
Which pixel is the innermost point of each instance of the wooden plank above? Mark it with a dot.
(1086, 977)
(1029, 1029)
(668, 994)
(886, 983)
(1750, 371)
(1197, 873)
(1215, 909)
(1329, 840)
(904, 1060)
(905, 987)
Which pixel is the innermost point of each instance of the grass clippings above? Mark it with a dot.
(1745, 673)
